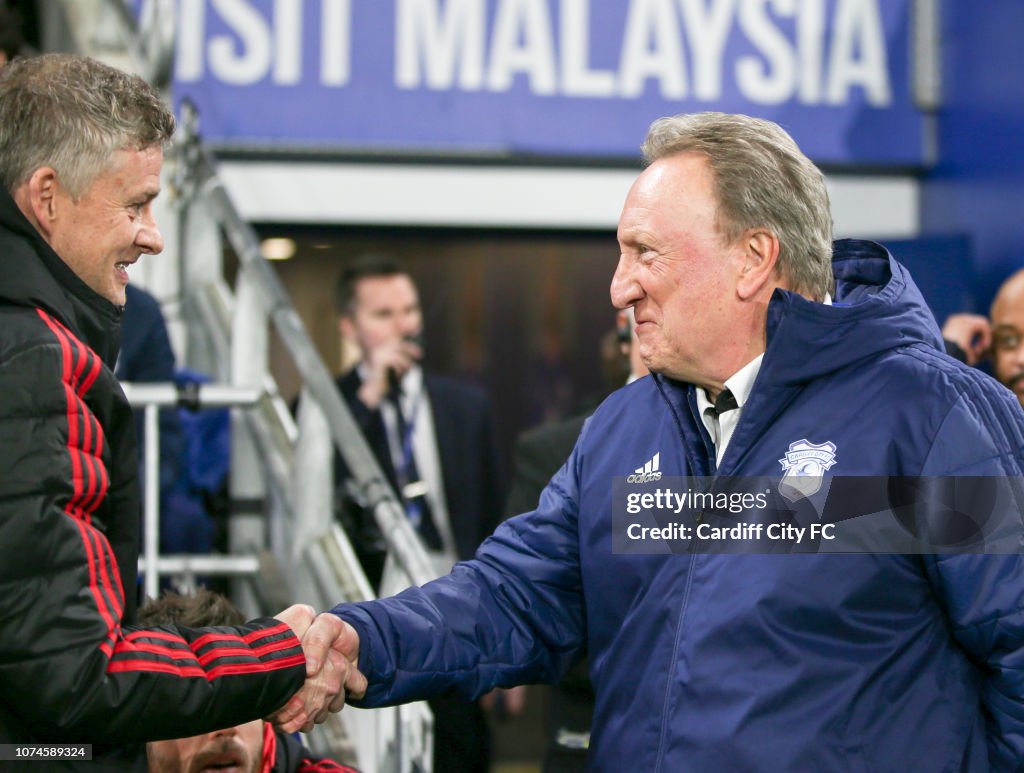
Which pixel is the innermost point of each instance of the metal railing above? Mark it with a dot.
(281, 484)
(284, 543)
(151, 398)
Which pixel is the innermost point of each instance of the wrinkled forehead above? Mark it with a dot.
(675, 192)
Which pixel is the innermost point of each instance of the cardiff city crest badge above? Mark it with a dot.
(805, 464)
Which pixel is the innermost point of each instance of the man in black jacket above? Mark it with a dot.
(81, 150)
(433, 438)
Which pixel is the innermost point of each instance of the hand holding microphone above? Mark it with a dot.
(386, 365)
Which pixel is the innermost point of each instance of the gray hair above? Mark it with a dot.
(762, 180)
(73, 113)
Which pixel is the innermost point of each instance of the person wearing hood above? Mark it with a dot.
(81, 151)
(800, 369)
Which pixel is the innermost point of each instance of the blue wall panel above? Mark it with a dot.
(977, 187)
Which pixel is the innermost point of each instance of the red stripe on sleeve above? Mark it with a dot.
(165, 635)
(89, 499)
(86, 424)
(272, 665)
(67, 359)
(102, 552)
(124, 666)
(73, 444)
(277, 629)
(107, 560)
(93, 553)
(249, 638)
(118, 584)
(310, 765)
(155, 649)
(131, 645)
(91, 561)
(79, 354)
(234, 652)
(123, 662)
(56, 327)
(269, 748)
(96, 365)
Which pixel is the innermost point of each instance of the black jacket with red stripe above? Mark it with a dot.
(72, 667)
(285, 754)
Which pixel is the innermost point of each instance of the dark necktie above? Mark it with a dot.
(725, 402)
(411, 487)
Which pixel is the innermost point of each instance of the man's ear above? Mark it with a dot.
(40, 197)
(760, 257)
(346, 327)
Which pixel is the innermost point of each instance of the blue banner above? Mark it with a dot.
(548, 77)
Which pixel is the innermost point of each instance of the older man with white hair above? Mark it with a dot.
(773, 353)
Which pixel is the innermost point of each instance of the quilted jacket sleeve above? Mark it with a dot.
(69, 671)
(512, 615)
(982, 438)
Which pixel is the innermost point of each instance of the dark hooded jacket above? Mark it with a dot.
(706, 660)
(72, 667)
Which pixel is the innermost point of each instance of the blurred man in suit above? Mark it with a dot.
(540, 452)
(433, 438)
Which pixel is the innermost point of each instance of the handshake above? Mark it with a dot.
(331, 647)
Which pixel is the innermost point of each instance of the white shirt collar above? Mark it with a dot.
(412, 382)
(741, 383)
(721, 427)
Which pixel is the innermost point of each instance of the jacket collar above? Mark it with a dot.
(32, 274)
(877, 308)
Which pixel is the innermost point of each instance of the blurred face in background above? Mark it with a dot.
(386, 310)
(1008, 335)
(236, 749)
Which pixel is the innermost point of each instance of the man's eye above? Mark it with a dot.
(1006, 340)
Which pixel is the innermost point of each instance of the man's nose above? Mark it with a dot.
(409, 325)
(149, 239)
(625, 289)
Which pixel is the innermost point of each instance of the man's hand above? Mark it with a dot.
(394, 357)
(971, 332)
(331, 647)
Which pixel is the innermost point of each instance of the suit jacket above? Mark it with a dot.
(540, 453)
(468, 453)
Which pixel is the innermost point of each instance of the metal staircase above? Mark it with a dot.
(284, 544)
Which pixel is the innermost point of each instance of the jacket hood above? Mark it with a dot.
(32, 274)
(876, 308)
